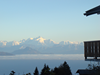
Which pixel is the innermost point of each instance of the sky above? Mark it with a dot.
(59, 20)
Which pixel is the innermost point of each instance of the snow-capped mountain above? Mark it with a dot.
(38, 41)
(3, 43)
(42, 45)
(12, 43)
(69, 42)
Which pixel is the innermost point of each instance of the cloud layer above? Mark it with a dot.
(46, 56)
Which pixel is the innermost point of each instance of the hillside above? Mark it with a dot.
(5, 54)
(27, 50)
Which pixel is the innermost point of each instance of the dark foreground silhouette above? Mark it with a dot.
(63, 69)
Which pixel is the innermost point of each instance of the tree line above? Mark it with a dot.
(63, 69)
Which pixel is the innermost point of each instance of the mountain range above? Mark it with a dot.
(5, 54)
(27, 50)
(41, 45)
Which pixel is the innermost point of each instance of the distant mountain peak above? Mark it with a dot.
(31, 38)
(15, 43)
(28, 48)
(41, 40)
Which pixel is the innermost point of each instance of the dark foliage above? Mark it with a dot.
(63, 69)
(12, 73)
(28, 74)
(45, 70)
(36, 72)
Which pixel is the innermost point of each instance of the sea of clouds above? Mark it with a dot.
(46, 56)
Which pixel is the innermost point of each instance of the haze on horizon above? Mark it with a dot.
(59, 20)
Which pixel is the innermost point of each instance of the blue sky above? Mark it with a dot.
(59, 20)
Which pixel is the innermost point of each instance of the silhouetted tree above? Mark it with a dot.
(28, 74)
(66, 68)
(56, 70)
(36, 72)
(45, 70)
(52, 72)
(63, 69)
(12, 73)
